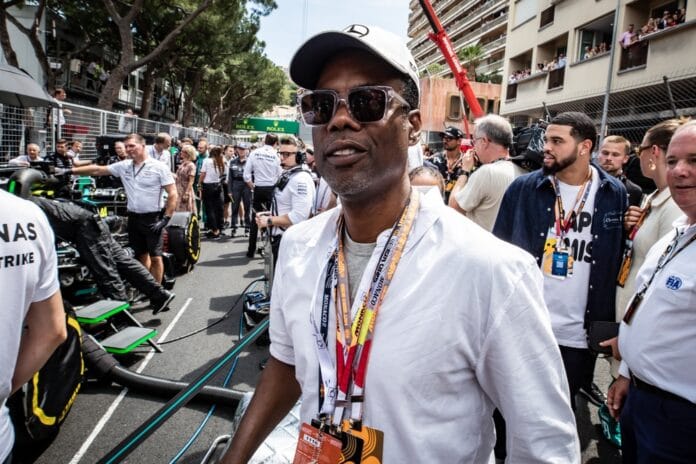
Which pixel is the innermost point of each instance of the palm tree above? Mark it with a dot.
(470, 58)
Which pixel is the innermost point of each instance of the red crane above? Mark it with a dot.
(442, 40)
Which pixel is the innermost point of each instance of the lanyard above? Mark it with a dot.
(564, 222)
(627, 260)
(354, 329)
(135, 174)
(668, 255)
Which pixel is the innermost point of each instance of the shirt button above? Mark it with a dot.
(541, 234)
(594, 262)
(591, 287)
(548, 209)
(596, 236)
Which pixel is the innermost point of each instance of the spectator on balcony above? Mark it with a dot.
(602, 48)
(627, 37)
(662, 22)
(681, 15)
(589, 53)
(561, 61)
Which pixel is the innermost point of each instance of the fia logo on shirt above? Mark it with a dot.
(673, 283)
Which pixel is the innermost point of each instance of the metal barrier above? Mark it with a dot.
(21, 126)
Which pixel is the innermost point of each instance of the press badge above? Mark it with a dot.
(317, 447)
(559, 264)
(361, 445)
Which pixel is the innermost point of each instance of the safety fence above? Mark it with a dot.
(638, 104)
(21, 126)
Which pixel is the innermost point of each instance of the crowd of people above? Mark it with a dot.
(390, 359)
(590, 52)
(557, 62)
(667, 20)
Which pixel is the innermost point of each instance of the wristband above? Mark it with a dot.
(269, 221)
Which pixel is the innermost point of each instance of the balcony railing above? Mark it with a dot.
(490, 67)
(556, 78)
(636, 55)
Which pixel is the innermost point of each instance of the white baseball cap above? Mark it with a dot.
(310, 58)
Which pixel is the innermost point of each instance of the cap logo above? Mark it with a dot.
(357, 30)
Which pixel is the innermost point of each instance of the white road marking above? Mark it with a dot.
(109, 412)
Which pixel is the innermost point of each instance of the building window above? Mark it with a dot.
(595, 38)
(524, 10)
(454, 107)
(547, 16)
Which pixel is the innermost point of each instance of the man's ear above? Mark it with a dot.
(414, 127)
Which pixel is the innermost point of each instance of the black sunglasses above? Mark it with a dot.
(365, 104)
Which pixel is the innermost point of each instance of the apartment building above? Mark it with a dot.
(566, 55)
(467, 22)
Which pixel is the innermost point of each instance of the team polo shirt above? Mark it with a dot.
(263, 166)
(144, 183)
(296, 199)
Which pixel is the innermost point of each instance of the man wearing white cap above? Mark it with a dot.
(389, 367)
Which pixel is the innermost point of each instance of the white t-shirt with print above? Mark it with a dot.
(28, 273)
(567, 298)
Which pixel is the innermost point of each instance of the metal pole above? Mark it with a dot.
(610, 75)
(669, 95)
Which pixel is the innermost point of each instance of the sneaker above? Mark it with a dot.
(161, 303)
(250, 255)
(233, 232)
(226, 224)
(594, 395)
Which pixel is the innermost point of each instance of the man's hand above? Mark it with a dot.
(617, 395)
(262, 219)
(159, 226)
(469, 160)
(631, 217)
(614, 343)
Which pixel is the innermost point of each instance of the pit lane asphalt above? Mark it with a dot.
(215, 283)
(222, 273)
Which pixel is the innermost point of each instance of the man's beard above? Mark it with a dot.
(559, 166)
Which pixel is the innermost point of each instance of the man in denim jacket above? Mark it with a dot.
(569, 216)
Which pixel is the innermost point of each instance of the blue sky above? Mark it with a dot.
(282, 30)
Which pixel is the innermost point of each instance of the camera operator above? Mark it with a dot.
(293, 195)
(144, 179)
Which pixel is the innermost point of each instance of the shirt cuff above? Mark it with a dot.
(623, 370)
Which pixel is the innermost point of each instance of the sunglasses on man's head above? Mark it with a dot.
(365, 104)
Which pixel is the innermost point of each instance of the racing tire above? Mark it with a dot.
(184, 240)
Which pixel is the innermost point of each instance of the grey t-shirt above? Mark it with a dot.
(357, 256)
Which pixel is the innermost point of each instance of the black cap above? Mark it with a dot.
(453, 132)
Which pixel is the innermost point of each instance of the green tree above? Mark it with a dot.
(248, 84)
(470, 57)
(434, 68)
